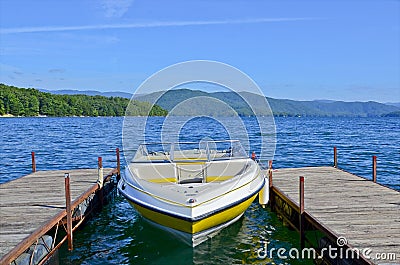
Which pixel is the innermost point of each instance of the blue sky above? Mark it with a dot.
(302, 50)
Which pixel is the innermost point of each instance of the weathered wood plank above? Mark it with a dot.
(29, 202)
(366, 213)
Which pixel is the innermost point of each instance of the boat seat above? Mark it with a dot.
(193, 180)
(224, 170)
(191, 172)
(162, 173)
(186, 172)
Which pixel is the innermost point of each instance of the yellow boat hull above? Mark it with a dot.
(196, 226)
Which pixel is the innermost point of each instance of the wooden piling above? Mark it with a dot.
(69, 212)
(335, 157)
(33, 162)
(374, 169)
(301, 216)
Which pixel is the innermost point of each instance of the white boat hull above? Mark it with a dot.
(171, 196)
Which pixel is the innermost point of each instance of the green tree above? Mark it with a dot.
(31, 102)
(16, 107)
(33, 106)
(2, 108)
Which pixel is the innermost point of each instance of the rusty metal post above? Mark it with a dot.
(374, 169)
(100, 162)
(301, 214)
(69, 211)
(33, 162)
(270, 173)
(118, 165)
(100, 179)
(335, 157)
(271, 196)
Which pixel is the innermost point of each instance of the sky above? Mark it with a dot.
(301, 50)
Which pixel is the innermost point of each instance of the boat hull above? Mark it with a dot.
(197, 238)
(192, 210)
(193, 227)
(195, 232)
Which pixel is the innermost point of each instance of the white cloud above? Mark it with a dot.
(116, 8)
(150, 25)
(90, 38)
(56, 70)
(9, 68)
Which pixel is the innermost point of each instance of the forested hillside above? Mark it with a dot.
(280, 107)
(32, 102)
(393, 114)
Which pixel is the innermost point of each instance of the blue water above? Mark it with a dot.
(119, 236)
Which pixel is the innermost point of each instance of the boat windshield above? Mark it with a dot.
(189, 151)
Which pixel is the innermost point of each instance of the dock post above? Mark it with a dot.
(270, 173)
(374, 169)
(68, 209)
(118, 165)
(301, 214)
(271, 197)
(33, 162)
(100, 179)
(335, 157)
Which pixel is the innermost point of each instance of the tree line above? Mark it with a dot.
(32, 102)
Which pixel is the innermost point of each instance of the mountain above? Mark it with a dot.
(280, 107)
(392, 114)
(397, 104)
(88, 93)
(324, 100)
(335, 108)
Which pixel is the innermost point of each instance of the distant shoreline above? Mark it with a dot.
(31, 102)
(7, 116)
(45, 116)
(275, 116)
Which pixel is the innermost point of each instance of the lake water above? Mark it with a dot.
(118, 235)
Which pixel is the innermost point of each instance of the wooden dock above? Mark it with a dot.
(328, 206)
(33, 205)
(359, 213)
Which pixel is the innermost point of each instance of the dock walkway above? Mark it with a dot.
(28, 203)
(337, 204)
(366, 214)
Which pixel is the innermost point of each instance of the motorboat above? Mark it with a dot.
(193, 190)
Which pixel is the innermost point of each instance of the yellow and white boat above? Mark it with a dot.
(193, 190)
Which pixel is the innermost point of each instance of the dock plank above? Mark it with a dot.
(365, 213)
(29, 202)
